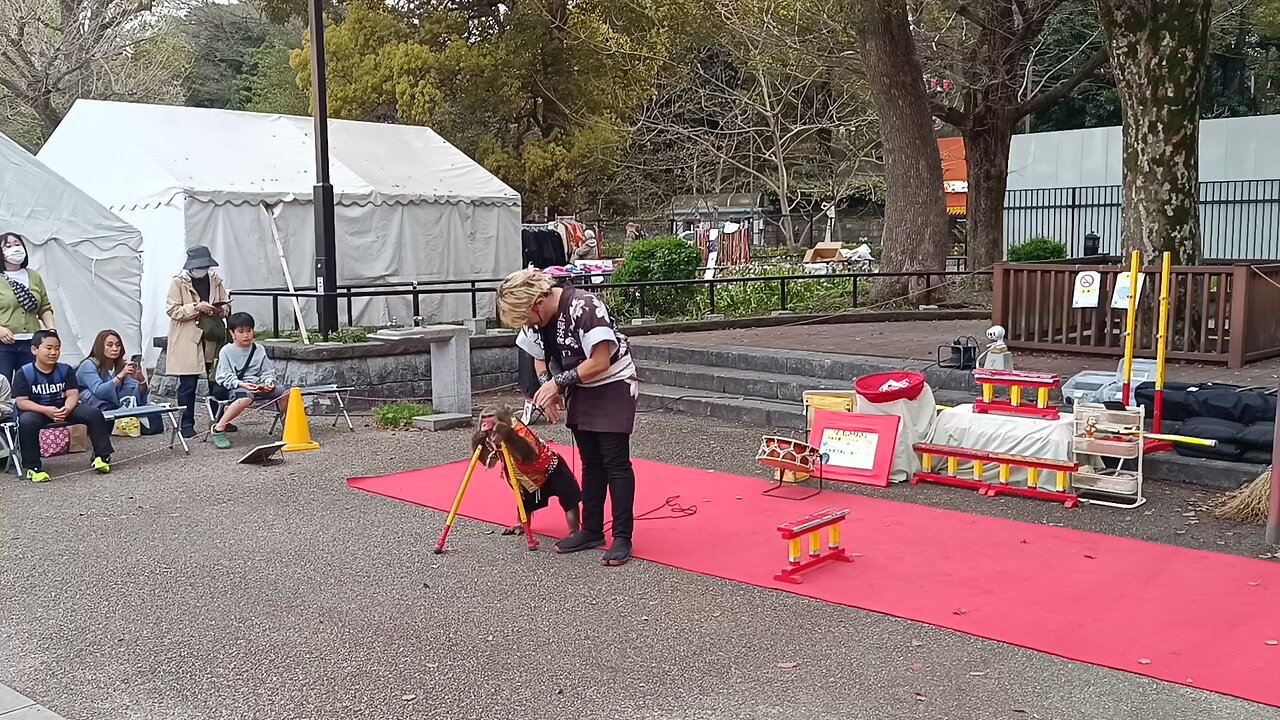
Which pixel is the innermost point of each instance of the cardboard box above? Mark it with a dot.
(824, 252)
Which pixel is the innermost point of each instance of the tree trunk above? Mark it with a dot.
(1158, 51)
(915, 211)
(986, 147)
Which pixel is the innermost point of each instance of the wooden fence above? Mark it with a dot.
(1217, 314)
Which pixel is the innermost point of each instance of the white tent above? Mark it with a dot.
(410, 206)
(89, 258)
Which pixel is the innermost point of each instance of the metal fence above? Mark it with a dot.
(702, 293)
(1239, 219)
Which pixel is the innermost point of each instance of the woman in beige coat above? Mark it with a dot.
(197, 304)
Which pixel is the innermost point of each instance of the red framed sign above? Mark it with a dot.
(855, 448)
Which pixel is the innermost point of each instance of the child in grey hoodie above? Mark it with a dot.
(246, 371)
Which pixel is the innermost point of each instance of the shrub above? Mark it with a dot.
(397, 416)
(1038, 249)
(660, 258)
(814, 294)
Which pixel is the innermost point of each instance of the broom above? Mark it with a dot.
(1249, 504)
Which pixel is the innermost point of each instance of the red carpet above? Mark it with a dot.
(1196, 618)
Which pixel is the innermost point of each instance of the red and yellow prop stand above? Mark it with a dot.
(1015, 380)
(1155, 444)
(980, 458)
(811, 526)
(509, 473)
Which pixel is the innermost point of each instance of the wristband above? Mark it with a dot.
(567, 379)
(544, 377)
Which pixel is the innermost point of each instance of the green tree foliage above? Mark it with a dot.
(521, 87)
(268, 83)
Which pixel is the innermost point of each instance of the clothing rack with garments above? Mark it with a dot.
(542, 246)
(731, 242)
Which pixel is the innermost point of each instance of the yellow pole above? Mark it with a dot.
(833, 537)
(1015, 395)
(1042, 397)
(1004, 474)
(1033, 477)
(515, 483)
(793, 551)
(1162, 342)
(977, 469)
(926, 462)
(952, 465)
(1130, 320)
(1062, 481)
(815, 544)
(457, 500)
(988, 392)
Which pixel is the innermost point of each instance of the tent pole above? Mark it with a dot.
(322, 197)
(284, 265)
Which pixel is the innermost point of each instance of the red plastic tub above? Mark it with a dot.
(868, 386)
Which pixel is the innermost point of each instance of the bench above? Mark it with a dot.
(337, 393)
(9, 430)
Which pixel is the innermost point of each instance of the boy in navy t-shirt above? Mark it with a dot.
(46, 392)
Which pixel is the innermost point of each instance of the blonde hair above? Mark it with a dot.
(518, 293)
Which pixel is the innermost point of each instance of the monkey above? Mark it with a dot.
(540, 471)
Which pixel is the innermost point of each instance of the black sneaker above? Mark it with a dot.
(580, 541)
(619, 553)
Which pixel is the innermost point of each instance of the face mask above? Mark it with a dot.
(15, 255)
(199, 272)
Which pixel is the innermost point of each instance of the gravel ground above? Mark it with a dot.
(195, 588)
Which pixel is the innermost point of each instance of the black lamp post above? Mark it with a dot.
(322, 195)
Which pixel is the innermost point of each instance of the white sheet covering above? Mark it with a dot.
(410, 206)
(962, 427)
(917, 419)
(90, 259)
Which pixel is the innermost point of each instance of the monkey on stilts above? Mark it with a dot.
(540, 471)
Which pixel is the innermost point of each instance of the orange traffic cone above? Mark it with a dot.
(297, 433)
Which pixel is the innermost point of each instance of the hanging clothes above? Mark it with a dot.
(542, 247)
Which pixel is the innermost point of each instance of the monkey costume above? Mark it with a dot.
(541, 472)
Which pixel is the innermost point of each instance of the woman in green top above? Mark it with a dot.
(24, 305)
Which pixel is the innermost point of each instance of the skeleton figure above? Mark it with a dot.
(997, 353)
(540, 471)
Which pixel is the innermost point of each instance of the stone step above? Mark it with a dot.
(753, 384)
(741, 408)
(826, 366)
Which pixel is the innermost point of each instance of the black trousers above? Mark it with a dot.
(606, 468)
(187, 385)
(30, 424)
(187, 399)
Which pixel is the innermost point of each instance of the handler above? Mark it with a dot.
(599, 385)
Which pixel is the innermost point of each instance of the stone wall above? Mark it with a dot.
(376, 370)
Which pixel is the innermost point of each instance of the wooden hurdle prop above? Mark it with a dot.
(812, 526)
(980, 458)
(1016, 380)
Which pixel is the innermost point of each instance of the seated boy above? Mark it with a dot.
(246, 372)
(46, 392)
(541, 472)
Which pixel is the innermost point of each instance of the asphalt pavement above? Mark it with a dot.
(192, 588)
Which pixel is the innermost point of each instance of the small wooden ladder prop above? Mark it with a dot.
(980, 458)
(811, 526)
(1015, 381)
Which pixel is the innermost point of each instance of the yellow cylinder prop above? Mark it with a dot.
(1135, 268)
